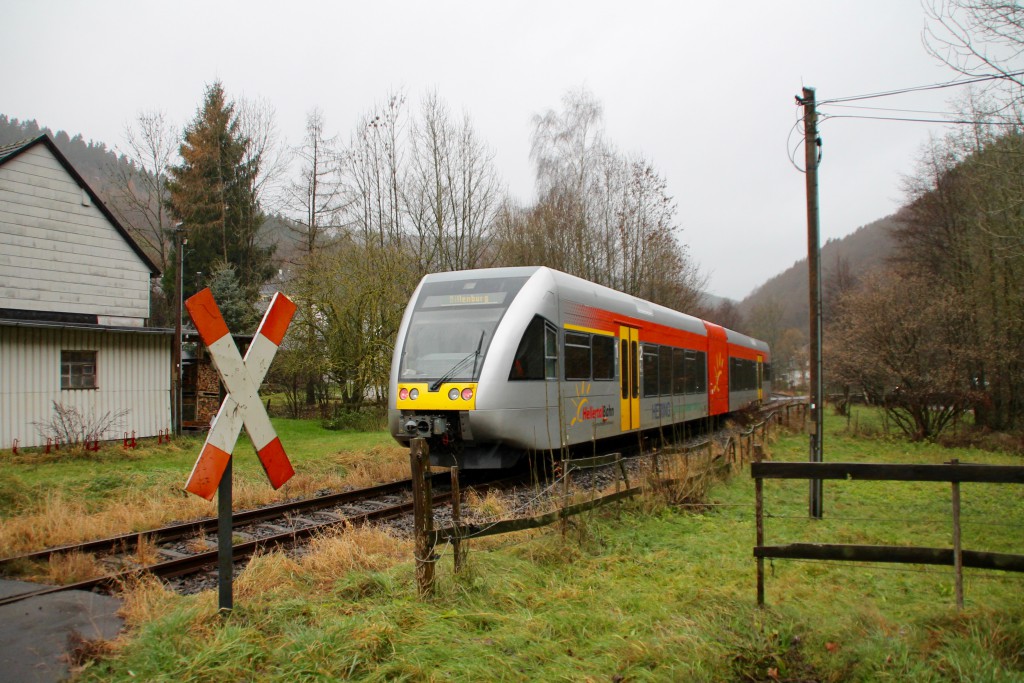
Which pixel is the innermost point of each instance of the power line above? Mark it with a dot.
(903, 111)
(919, 88)
(916, 120)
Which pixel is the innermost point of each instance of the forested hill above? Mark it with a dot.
(91, 159)
(865, 249)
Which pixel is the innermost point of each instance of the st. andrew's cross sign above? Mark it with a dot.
(242, 405)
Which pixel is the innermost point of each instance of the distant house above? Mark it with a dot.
(74, 299)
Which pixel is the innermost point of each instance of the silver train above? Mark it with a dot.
(492, 364)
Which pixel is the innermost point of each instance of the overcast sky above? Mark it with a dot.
(704, 90)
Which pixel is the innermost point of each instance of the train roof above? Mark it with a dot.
(600, 295)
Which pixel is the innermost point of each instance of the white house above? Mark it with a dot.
(74, 298)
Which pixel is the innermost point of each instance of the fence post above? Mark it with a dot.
(565, 496)
(423, 516)
(958, 557)
(456, 520)
(759, 512)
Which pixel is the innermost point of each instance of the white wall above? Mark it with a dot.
(58, 252)
(133, 372)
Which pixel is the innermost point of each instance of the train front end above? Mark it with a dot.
(440, 353)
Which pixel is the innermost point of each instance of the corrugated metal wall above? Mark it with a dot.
(133, 373)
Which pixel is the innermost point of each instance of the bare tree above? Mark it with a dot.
(139, 193)
(453, 192)
(373, 174)
(978, 38)
(141, 185)
(601, 215)
(896, 339)
(316, 197)
(963, 229)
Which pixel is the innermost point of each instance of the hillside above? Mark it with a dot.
(92, 159)
(860, 251)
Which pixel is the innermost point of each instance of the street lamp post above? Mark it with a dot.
(179, 234)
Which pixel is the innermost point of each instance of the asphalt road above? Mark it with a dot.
(35, 634)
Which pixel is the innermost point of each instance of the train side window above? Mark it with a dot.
(577, 355)
(665, 370)
(767, 372)
(696, 371)
(531, 357)
(650, 370)
(603, 350)
(678, 375)
(700, 378)
(550, 351)
(742, 374)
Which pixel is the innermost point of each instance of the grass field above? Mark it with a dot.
(63, 497)
(644, 592)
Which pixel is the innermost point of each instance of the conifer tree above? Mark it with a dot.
(212, 194)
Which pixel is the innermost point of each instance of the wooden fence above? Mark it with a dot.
(953, 472)
(736, 450)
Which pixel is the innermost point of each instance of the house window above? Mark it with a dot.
(77, 369)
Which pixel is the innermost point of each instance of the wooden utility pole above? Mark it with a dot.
(812, 143)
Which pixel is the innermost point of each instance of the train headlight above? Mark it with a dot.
(453, 394)
(467, 394)
(414, 394)
(403, 394)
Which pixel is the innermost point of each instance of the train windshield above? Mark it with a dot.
(452, 326)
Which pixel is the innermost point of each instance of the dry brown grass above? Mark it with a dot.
(67, 568)
(82, 653)
(144, 599)
(327, 558)
(375, 466)
(354, 548)
(267, 573)
(58, 519)
(199, 543)
(491, 506)
(146, 550)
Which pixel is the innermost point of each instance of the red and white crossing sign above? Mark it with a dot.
(242, 405)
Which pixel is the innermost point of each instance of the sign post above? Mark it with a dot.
(242, 406)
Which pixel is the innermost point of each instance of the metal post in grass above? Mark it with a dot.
(423, 517)
(225, 546)
(457, 547)
(958, 556)
(759, 513)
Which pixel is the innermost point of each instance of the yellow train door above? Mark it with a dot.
(629, 378)
(760, 378)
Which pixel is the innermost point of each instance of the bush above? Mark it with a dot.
(371, 420)
(68, 425)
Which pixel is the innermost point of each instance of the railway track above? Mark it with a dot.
(283, 524)
(302, 519)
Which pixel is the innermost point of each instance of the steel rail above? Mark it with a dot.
(125, 542)
(194, 563)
